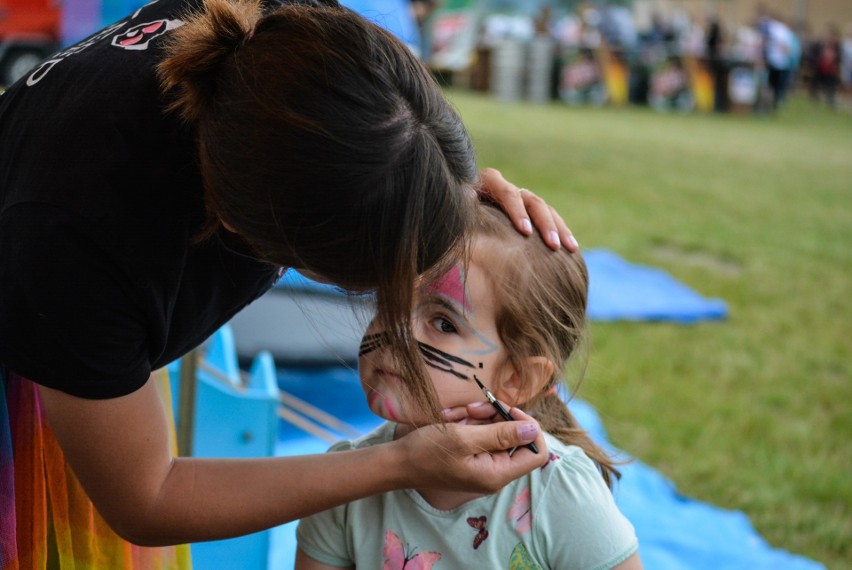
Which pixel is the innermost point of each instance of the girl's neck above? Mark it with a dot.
(439, 498)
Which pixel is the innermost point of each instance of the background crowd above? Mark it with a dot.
(612, 52)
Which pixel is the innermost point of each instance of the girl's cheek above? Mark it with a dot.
(372, 398)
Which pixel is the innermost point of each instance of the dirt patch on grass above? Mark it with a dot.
(698, 258)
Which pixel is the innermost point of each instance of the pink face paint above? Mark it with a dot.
(372, 396)
(390, 408)
(451, 286)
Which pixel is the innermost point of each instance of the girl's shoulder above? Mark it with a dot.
(568, 498)
(570, 478)
(568, 459)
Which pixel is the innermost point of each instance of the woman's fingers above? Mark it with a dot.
(476, 413)
(457, 414)
(527, 210)
(482, 412)
(521, 416)
(472, 457)
(566, 237)
(490, 465)
(506, 195)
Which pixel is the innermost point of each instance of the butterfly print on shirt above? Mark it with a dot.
(550, 459)
(398, 558)
(478, 523)
(520, 513)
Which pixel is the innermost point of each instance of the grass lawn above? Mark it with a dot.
(753, 413)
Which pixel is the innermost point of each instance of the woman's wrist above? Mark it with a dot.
(395, 465)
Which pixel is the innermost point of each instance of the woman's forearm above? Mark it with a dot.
(119, 450)
(207, 499)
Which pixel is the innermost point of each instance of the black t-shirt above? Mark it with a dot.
(100, 198)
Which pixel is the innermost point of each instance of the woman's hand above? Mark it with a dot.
(521, 206)
(472, 457)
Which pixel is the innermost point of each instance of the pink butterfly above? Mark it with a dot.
(397, 559)
(553, 457)
(479, 524)
(520, 513)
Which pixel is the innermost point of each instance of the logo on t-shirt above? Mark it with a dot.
(135, 38)
(140, 35)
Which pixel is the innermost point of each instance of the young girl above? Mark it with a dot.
(510, 319)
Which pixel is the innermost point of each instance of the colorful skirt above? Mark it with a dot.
(46, 519)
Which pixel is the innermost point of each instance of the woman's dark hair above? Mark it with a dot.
(327, 146)
(541, 298)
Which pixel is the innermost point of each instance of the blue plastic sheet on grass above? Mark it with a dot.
(620, 290)
(675, 532)
(679, 533)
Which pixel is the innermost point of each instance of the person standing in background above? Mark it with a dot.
(778, 46)
(826, 62)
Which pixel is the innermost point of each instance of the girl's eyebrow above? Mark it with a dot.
(441, 301)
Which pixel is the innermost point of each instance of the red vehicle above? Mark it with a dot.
(29, 32)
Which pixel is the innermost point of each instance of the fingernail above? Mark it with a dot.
(573, 242)
(446, 411)
(477, 404)
(527, 431)
(527, 225)
(554, 239)
(462, 422)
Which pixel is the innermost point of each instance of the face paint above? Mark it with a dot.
(451, 286)
(454, 327)
(443, 361)
(370, 343)
(483, 346)
(487, 346)
(432, 356)
(383, 405)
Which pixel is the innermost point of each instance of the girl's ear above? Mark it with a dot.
(517, 388)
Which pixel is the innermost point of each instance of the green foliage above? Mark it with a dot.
(753, 413)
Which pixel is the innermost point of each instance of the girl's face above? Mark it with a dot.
(454, 323)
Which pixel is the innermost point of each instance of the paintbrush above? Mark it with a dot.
(502, 411)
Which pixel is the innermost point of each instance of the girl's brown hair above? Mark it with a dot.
(327, 146)
(541, 296)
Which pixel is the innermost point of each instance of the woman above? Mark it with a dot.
(155, 179)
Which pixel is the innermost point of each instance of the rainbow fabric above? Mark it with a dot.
(46, 519)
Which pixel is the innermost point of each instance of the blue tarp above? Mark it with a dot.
(675, 532)
(679, 533)
(620, 290)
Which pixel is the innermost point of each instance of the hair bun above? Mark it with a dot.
(196, 52)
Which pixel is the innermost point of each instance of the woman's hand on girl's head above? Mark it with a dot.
(472, 457)
(521, 206)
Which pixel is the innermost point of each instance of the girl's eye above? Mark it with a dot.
(445, 326)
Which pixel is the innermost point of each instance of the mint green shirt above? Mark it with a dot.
(561, 516)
